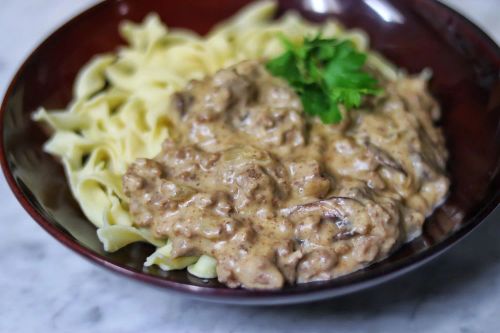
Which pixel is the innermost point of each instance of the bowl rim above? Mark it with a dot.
(313, 291)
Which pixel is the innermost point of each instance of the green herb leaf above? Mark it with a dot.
(325, 73)
(285, 66)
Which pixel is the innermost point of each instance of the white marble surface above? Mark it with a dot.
(45, 287)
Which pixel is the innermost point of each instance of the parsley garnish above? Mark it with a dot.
(325, 73)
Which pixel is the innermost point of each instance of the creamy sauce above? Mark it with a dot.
(278, 197)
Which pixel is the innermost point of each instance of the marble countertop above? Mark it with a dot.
(46, 287)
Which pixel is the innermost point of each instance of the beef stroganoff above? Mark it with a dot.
(201, 147)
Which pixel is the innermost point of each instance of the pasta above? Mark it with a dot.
(119, 111)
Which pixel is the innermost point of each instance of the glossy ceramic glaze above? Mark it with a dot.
(413, 34)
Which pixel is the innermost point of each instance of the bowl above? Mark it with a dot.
(414, 34)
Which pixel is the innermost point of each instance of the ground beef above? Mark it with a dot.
(277, 197)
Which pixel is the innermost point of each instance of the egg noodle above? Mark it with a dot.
(120, 110)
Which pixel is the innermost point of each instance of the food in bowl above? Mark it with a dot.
(267, 152)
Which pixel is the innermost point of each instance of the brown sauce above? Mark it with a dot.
(277, 197)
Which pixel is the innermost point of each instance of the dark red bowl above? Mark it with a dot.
(414, 34)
